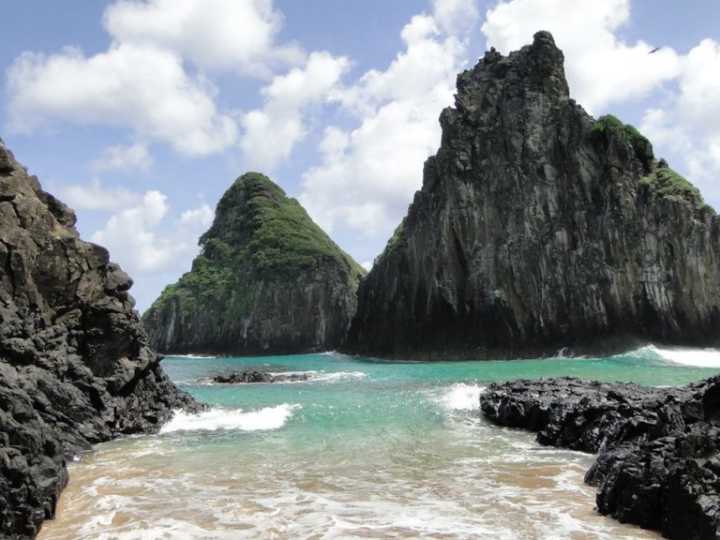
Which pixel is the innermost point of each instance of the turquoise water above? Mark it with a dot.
(364, 448)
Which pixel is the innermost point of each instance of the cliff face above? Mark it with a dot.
(268, 281)
(75, 367)
(538, 228)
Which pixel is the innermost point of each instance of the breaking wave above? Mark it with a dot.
(461, 397)
(705, 358)
(216, 419)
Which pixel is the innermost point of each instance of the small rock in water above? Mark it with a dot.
(255, 376)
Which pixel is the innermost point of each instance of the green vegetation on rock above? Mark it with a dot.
(609, 124)
(258, 222)
(396, 238)
(669, 184)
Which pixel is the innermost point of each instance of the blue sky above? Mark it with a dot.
(140, 113)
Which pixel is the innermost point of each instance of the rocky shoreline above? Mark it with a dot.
(658, 451)
(75, 365)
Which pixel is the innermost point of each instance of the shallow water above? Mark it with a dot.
(364, 449)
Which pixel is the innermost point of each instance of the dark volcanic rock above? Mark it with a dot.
(255, 376)
(658, 462)
(268, 281)
(537, 228)
(75, 367)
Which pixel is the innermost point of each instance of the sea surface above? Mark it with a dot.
(364, 449)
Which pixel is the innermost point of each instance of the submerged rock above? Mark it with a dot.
(75, 366)
(255, 376)
(268, 281)
(658, 463)
(538, 227)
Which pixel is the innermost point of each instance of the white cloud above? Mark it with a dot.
(201, 217)
(137, 86)
(699, 100)
(121, 157)
(233, 35)
(140, 82)
(455, 16)
(367, 265)
(687, 129)
(368, 175)
(142, 241)
(272, 132)
(601, 68)
(95, 196)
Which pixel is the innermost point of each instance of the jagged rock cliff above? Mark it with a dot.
(538, 228)
(268, 281)
(75, 367)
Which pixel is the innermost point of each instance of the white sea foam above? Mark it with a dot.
(203, 356)
(706, 358)
(462, 397)
(215, 419)
(338, 376)
(165, 528)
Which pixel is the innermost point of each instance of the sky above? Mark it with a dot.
(139, 114)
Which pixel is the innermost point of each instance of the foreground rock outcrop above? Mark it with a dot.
(75, 366)
(538, 227)
(658, 463)
(268, 281)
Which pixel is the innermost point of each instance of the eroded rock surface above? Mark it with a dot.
(268, 281)
(539, 228)
(75, 366)
(658, 463)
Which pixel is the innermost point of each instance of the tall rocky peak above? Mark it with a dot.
(538, 228)
(75, 365)
(268, 280)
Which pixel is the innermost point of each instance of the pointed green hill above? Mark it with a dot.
(267, 280)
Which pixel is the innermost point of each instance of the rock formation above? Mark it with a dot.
(268, 281)
(537, 228)
(249, 376)
(658, 462)
(75, 367)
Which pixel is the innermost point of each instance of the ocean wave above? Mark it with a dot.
(705, 358)
(216, 419)
(461, 397)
